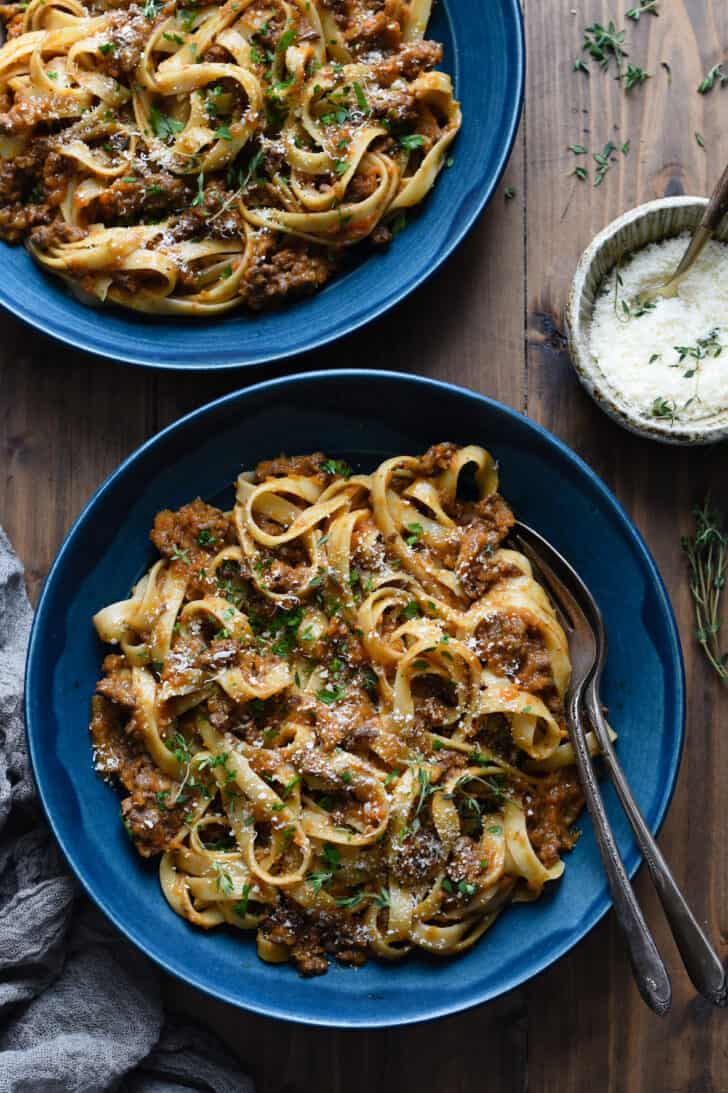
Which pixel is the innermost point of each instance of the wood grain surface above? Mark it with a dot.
(490, 320)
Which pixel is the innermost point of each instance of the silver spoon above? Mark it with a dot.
(701, 961)
(715, 210)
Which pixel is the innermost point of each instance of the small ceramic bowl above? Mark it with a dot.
(649, 223)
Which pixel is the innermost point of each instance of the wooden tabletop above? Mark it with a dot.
(489, 320)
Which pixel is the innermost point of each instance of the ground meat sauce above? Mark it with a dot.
(311, 936)
(150, 817)
(307, 465)
(508, 645)
(343, 712)
(282, 271)
(551, 811)
(195, 531)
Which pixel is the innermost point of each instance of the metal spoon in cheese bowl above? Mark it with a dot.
(659, 367)
(715, 210)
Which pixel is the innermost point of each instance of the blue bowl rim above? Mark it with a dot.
(35, 654)
(319, 340)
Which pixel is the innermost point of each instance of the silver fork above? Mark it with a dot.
(582, 614)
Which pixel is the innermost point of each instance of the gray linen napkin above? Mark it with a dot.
(80, 1009)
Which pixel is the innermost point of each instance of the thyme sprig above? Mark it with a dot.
(707, 557)
(605, 44)
(647, 6)
(603, 161)
(634, 76)
(708, 82)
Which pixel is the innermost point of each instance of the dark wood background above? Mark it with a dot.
(490, 320)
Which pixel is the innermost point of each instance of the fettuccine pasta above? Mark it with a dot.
(185, 158)
(337, 710)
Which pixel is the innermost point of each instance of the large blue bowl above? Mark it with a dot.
(362, 416)
(484, 52)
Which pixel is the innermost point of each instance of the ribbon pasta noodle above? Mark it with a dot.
(183, 158)
(337, 710)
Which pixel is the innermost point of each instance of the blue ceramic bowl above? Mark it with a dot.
(364, 417)
(484, 52)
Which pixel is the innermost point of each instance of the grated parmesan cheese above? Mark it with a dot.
(670, 360)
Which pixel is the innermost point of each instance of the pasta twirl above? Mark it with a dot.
(337, 710)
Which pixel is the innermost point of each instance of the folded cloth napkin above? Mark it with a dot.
(80, 1009)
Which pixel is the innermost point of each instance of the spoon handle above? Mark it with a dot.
(649, 971)
(718, 204)
(701, 961)
(715, 210)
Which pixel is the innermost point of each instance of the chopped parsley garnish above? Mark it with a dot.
(330, 695)
(205, 538)
(415, 530)
(286, 39)
(107, 47)
(287, 835)
(332, 856)
(290, 786)
(242, 907)
(181, 555)
(223, 880)
(200, 196)
(151, 9)
(180, 750)
(337, 466)
(163, 125)
(411, 610)
(223, 133)
(361, 98)
(412, 141)
(187, 17)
